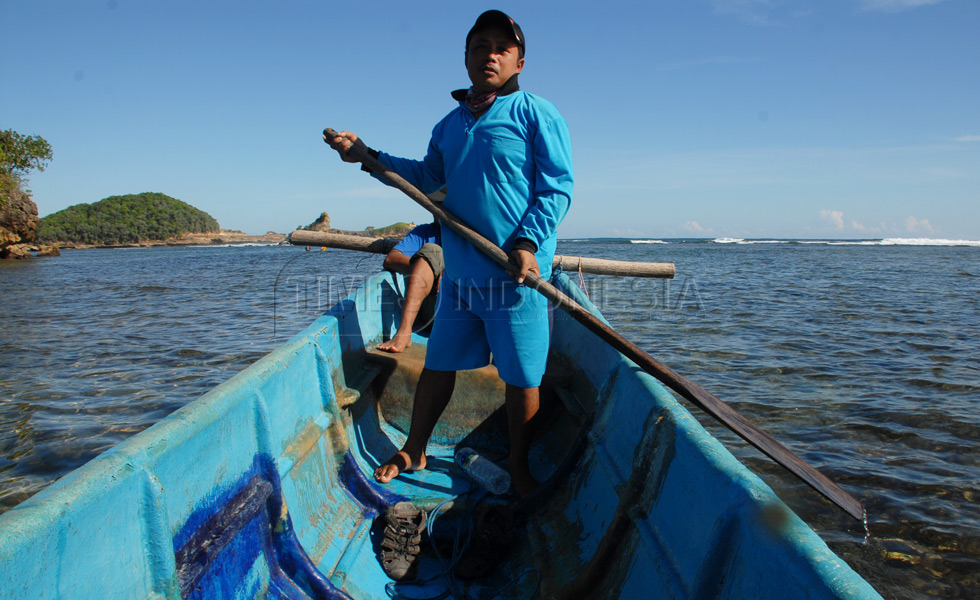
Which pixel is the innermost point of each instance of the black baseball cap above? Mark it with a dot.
(500, 20)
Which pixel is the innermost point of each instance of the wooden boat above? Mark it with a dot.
(261, 488)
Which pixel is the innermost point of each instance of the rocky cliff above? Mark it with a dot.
(18, 224)
(321, 224)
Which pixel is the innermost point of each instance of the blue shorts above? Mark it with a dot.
(508, 321)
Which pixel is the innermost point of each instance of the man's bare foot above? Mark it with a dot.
(397, 343)
(524, 487)
(399, 463)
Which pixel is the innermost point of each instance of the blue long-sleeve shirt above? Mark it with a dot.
(508, 175)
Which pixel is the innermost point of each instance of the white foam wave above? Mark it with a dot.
(928, 242)
(897, 242)
(744, 241)
(881, 242)
(648, 242)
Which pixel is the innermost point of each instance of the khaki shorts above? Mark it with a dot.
(432, 253)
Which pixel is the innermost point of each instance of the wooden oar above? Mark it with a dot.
(596, 266)
(703, 399)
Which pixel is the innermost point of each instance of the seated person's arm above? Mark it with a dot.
(397, 262)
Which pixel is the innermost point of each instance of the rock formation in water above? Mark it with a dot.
(18, 224)
(397, 230)
(18, 227)
(321, 224)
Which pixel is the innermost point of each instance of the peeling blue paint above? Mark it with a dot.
(367, 494)
(636, 498)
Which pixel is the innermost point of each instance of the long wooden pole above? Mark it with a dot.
(302, 237)
(693, 392)
(596, 266)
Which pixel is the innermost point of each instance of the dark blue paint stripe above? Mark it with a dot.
(366, 493)
(196, 556)
(235, 528)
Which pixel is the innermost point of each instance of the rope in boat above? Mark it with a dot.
(581, 282)
(560, 268)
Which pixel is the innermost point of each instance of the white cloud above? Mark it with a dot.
(693, 226)
(708, 61)
(750, 11)
(857, 226)
(762, 12)
(765, 167)
(895, 5)
(628, 232)
(967, 138)
(913, 225)
(835, 217)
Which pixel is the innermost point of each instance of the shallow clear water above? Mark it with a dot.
(96, 345)
(865, 360)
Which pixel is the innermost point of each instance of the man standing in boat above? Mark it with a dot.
(505, 158)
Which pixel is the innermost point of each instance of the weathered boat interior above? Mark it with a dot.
(262, 488)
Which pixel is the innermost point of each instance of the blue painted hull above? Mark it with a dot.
(258, 489)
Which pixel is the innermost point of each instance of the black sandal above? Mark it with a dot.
(491, 539)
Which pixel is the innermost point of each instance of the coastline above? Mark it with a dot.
(223, 237)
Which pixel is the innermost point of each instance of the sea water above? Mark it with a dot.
(863, 357)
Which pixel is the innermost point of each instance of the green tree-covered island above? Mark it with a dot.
(153, 219)
(125, 220)
(147, 219)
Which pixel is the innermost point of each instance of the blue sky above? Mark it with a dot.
(689, 118)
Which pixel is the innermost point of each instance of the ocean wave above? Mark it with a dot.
(928, 242)
(774, 241)
(876, 242)
(726, 240)
(897, 242)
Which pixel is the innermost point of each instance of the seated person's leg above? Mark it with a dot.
(457, 343)
(423, 282)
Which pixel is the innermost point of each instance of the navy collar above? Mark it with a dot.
(508, 88)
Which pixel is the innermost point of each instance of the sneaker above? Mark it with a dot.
(404, 523)
(492, 537)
